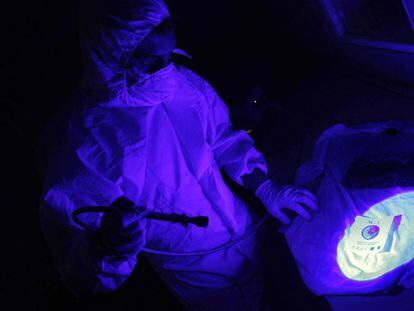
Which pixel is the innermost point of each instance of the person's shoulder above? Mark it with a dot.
(194, 78)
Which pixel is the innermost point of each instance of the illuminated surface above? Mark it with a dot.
(362, 265)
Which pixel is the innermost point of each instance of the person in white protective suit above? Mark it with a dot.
(157, 135)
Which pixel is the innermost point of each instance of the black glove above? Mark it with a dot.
(122, 230)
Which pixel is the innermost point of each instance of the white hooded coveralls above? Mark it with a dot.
(161, 143)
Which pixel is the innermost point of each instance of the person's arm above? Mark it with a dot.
(255, 179)
(83, 258)
(234, 151)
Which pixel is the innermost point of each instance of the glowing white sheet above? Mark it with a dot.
(361, 264)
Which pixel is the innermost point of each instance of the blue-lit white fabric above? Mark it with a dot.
(318, 246)
(362, 265)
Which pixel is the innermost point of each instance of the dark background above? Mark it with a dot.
(283, 54)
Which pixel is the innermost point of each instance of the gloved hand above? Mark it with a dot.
(122, 231)
(275, 198)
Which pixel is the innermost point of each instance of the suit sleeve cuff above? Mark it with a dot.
(253, 180)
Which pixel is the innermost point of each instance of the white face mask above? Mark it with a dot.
(143, 68)
(140, 68)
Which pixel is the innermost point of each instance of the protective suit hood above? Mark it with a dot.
(110, 31)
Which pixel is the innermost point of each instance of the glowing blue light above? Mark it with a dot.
(367, 263)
